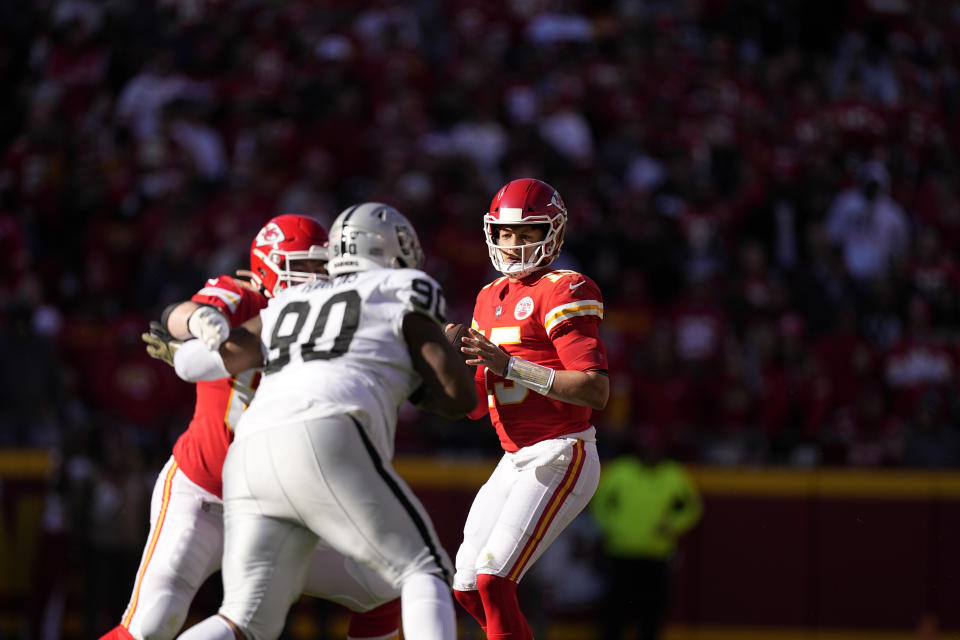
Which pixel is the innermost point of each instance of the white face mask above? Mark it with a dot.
(533, 255)
(286, 274)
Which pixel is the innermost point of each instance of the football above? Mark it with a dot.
(454, 334)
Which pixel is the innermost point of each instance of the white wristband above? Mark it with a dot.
(193, 362)
(530, 374)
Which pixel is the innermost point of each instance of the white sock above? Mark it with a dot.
(427, 608)
(213, 628)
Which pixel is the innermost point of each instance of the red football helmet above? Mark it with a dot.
(282, 241)
(526, 201)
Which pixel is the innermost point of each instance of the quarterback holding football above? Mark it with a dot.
(541, 369)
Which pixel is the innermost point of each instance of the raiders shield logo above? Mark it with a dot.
(404, 240)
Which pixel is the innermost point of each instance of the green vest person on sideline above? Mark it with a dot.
(644, 503)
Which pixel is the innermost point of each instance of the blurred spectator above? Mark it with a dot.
(823, 286)
(700, 326)
(869, 225)
(729, 427)
(644, 503)
(704, 164)
(849, 362)
(143, 98)
(662, 396)
(32, 393)
(115, 525)
(203, 143)
(918, 364)
(771, 210)
(869, 433)
(935, 274)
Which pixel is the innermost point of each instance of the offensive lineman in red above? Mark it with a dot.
(542, 368)
(185, 542)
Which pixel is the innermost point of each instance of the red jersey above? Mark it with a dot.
(200, 450)
(550, 318)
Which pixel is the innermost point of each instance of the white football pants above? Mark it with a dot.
(528, 500)
(185, 546)
(288, 486)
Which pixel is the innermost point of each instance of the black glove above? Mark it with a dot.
(160, 344)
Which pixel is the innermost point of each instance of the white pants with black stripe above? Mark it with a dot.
(185, 547)
(287, 486)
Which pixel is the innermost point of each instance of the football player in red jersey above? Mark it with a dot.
(542, 368)
(185, 542)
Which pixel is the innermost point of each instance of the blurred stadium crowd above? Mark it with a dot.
(765, 190)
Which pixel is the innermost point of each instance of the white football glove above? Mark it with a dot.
(209, 326)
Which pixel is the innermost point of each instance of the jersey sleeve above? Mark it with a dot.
(226, 294)
(419, 293)
(572, 321)
(573, 300)
(580, 348)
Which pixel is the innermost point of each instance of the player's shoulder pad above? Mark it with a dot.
(567, 283)
(569, 295)
(419, 292)
(223, 292)
(490, 285)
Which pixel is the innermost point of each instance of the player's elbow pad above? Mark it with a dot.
(193, 362)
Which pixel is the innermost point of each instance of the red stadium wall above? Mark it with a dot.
(826, 549)
(831, 550)
(778, 554)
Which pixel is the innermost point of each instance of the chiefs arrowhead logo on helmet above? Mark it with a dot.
(557, 201)
(271, 233)
(279, 250)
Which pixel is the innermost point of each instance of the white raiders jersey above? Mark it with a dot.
(337, 347)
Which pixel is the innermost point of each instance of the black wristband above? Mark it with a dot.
(166, 314)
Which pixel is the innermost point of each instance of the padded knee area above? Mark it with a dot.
(160, 619)
(162, 626)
